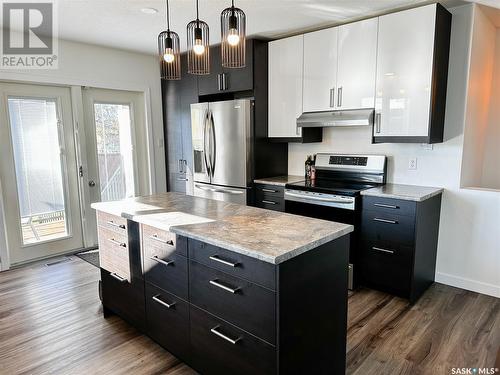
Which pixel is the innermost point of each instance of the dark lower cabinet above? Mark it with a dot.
(168, 321)
(398, 246)
(221, 348)
(222, 312)
(270, 197)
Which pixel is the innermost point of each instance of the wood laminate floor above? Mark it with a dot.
(51, 323)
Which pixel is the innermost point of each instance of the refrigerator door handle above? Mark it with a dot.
(205, 148)
(213, 151)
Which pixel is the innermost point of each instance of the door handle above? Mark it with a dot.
(332, 97)
(223, 287)
(385, 220)
(228, 191)
(216, 258)
(339, 97)
(224, 337)
(118, 243)
(157, 239)
(213, 151)
(161, 261)
(378, 118)
(179, 165)
(163, 303)
(117, 277)
(201, 187)
(382, 250)
(205, 148)
(91, 183)
(113, 224)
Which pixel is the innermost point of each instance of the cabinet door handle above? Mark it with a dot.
(385, 220)
(163, 303)
(332, 97)
(182, 179)
(157, 239)
(216, 283)
(268, 202)
(269, 190)
(378, 118)
(227, 263)
(383, 250)
(161, 261)
(339, 97)
(117, 277)
(224, 82)
(113, 224)
(386, 206)
(115, 242)
(219, 83)
(224, 337)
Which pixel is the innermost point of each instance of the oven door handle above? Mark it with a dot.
(317, 198)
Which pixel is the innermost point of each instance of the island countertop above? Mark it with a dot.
(270, 236)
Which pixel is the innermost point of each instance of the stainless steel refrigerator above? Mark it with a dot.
(222, 133)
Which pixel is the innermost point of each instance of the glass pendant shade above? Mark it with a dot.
(233, 37)
(198, 48)
(169, 55)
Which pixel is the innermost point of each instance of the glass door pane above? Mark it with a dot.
(39, 162)
(113, 126)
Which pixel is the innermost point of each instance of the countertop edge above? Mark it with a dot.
(377, 193)
(272, 180)
(182, 231)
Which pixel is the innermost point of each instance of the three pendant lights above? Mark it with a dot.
(198, 53)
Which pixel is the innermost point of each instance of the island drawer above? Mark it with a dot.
(235, 264)
(235, 300)
(124, 298)
(159, 241)
(221, 348)
(167, 270)
(388, 226)
(114, 253)
(112, 222)
(270, 190)
(168, 321)
(386, 265)
(389, 205)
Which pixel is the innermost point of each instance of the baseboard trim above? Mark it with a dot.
(468, 284)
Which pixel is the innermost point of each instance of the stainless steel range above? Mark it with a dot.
(335, 193)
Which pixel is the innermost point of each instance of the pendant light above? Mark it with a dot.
(169, 53)
(198, 46)
(233, 37)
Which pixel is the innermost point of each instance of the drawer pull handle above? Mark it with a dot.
(166, 242)
(164, 262)
(223, 336)
(163, 303)
(268, 202)
(112, 223)
(117, 277)
(383, 250)
(226, 288)
(269, 190)
(386, 206)
(113, 241)
(225, 262)
(385, 221)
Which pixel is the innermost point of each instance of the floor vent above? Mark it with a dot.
(64, 260)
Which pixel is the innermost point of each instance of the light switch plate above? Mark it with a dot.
(412, 164)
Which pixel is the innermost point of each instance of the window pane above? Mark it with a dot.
(39, 172)
(114, 151)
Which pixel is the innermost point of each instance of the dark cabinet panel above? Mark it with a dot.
(222, 79)
(168, 321)
(270, 197)
(221, 348)
(169, 273)
(388, 226)
(237, 301)
(235, 264)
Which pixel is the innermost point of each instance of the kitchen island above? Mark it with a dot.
(227, 288)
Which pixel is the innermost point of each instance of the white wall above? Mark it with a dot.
(469, 235)
(491, 161)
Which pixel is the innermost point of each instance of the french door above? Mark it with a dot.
(38, 171)
(116, 147)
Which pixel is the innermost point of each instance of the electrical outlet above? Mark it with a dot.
(412, 164)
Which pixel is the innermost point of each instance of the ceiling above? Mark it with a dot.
(121, 24)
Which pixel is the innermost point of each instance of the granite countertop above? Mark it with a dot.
(279, 180)
(267, 235)
(405, 192)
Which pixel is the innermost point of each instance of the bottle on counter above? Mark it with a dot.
(308, 164)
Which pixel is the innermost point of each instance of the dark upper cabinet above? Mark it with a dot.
(227, 80)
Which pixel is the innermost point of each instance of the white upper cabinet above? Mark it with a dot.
(320, 69)
(285, 86)
(357, 57)
(412, 68)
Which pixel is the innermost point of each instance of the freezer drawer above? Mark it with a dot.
(221, 193)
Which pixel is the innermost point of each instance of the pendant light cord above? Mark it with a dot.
(168, 18)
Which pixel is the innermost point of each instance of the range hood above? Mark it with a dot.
(353, 117)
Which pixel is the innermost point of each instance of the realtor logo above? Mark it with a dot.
(28, 35)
